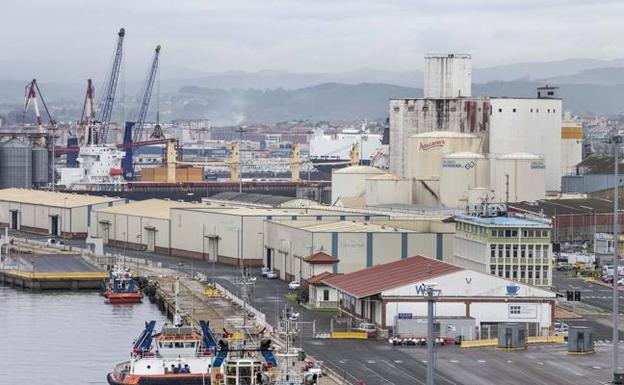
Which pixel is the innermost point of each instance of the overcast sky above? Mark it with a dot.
(75, 38)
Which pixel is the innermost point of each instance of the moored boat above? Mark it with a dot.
(121, 287)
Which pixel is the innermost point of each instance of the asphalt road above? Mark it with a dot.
(377, 362)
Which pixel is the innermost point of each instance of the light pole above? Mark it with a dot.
(430, 295)
(617, 139)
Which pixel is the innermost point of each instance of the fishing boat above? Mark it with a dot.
(121, 287)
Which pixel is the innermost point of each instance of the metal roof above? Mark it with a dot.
(55, 199)
(510, 221)
(342, 227)
(150, 208)
(552, 207)
(320, 258)
(259, 199)
(263, 212)
(598, 164)
(376, 279)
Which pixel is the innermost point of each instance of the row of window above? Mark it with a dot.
(520, 272)
(515, 251)
(503, 233)
(453, 109)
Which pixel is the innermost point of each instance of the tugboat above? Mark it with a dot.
(178, 355)
(121, 287)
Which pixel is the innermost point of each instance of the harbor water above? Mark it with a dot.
(65, 338)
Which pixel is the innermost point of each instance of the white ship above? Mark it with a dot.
(326, 148)
(99, 168)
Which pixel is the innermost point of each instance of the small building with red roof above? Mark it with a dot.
(389, 293)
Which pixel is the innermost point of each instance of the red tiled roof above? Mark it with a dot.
(374, 280)
(320, 258)
(316, 279)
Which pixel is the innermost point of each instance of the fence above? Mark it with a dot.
(259, 317)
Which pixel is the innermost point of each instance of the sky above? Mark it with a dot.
(66, 39)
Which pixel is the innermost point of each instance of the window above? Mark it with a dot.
(514, 233)
(545, 233)
(515, 251)
(507, 233)
(507, 274)
(545, 271)
(515, 272)
(531, 110)
(530, 251)
(501, 110)
(500, 272)
(521, 273)
(410, 108)
(493, 251)
(538, 251)
(537, 110)
(507, 251)
(494, 233)
(493, 270)
(537, 273)
(525, 233)
(500, 251)
(514, 110)
(530, 271)
(396, 109)
(548, 111)
(326, 293)
(514, 309)
(531, 233)
(523, 251)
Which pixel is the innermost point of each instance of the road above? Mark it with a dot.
(377, 362)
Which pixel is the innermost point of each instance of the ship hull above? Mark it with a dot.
(115, 298)
(166, 379)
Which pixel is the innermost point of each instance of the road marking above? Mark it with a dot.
(398, 361)
(454, 361)
(596, 367)
(540, 363)
(482, 361)
(509, 361)
(370, 361)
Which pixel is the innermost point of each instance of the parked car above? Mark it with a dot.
(367, 327)
(264, 271)
(53, 242)
(271, 274)
(620, 282)
(294, 285)
(561, 329)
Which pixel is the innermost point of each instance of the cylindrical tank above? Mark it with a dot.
(425, 151)
(351, 181)
(15, 164)
(426, 192)
(40, 166)
(520, 175)
(462, 171)
(387, 188)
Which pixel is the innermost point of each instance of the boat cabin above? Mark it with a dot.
(243, 371)
(174, 342)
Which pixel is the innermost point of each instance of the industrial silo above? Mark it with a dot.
(425, 151)
(461, 172)
(387, 188)
(40, 166)
(351, 181)
(518, 176)
(15, 164)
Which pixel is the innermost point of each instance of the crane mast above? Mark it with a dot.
(87, 118)
(147, 95)
(108, 98)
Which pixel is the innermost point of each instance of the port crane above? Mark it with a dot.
(105, 105)
(87, 118)
(134, 129)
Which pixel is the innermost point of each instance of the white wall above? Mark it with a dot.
(537, 131)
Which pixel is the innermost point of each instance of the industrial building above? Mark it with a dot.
(574, 220)
(511, 247)
(246, 199)
(592, 174)
(53, 213)
(394, 293)
(503, 125)
(237, 235)
(140, 225)
(354, 245)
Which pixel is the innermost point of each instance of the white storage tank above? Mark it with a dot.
(461, 172)
(527, 177)
(425, 151)
(351, 181)
(426, 192)
(387, 188)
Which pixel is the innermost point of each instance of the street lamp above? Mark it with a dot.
(616, 140)
(430, 293)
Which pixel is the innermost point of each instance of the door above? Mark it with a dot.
(151, 239)
(104, 232)
(14, 220)
(269, 255)
(54, 225)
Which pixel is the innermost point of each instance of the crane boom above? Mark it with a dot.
(105, 106)
(147, 95)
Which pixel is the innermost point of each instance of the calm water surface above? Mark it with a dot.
(68, 338)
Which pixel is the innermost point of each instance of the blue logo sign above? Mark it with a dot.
(421, 289)
(512, 290)
(405, 315)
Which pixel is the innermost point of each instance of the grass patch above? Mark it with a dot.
(292, 297)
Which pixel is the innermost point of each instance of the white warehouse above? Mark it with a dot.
(387, 294)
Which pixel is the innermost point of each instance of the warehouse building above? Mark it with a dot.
(353, 244)
(260, 200)
(393, 294)
(53, 213)
(236, 235)
(141, 225)
(512, 247)
(592, 174)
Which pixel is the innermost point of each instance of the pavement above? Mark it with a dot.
(377, 362)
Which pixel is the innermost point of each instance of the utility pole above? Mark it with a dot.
(430, 292)
(617, 139)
